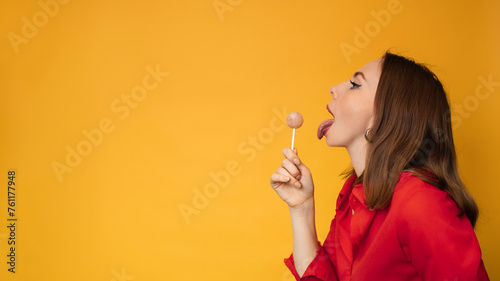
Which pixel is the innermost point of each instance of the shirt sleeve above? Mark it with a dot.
(320, 269)
(440, 244)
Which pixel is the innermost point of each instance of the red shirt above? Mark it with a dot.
(417, 237)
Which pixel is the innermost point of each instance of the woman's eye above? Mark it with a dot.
(354, 85)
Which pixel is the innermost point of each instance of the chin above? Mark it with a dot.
(335, 139)
(332, 142)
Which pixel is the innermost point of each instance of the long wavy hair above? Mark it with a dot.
(411, 132)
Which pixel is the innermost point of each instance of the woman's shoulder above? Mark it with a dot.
(432, 234)
(410, 184)
(418, 200)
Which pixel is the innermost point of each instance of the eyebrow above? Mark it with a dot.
(359, 73)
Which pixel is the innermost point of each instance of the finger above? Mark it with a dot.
(293, 181)
(291, 155)
(279, 178)
(291, 168)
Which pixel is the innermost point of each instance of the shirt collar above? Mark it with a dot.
(359, 193)
(356, 190)
(348, 185)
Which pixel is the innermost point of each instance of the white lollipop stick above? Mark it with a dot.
(293, 137)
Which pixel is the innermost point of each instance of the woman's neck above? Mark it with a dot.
(357, 153)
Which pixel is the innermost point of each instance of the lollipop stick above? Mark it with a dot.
(293, 137)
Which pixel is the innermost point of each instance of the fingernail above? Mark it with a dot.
(297, 184)
(296, 161)
(286, 178)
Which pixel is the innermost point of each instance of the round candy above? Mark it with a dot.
(294, 120)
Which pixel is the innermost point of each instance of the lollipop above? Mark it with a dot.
(294, 121)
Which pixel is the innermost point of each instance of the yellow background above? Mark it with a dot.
(117, 214)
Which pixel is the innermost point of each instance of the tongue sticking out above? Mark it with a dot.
(323, 127)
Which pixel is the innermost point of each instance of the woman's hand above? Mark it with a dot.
(293, 181)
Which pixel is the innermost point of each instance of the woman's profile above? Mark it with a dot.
(403, 212)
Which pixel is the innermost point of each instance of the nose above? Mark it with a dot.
(333, 92)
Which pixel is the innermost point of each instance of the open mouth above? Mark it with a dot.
(325, 125)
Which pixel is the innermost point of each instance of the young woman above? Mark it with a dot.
(403, 213)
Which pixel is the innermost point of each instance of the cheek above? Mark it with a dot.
(356, 113)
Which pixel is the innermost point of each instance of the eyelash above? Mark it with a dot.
(354, 85)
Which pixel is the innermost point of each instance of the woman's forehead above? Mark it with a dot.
(372, 70)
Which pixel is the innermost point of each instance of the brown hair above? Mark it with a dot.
(412, 132)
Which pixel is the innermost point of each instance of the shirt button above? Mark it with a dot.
(353, 199)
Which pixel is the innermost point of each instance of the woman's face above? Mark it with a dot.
(352, 107)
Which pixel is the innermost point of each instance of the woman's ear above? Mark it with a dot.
(371, 122)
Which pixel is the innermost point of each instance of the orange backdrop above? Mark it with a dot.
(143, 133)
